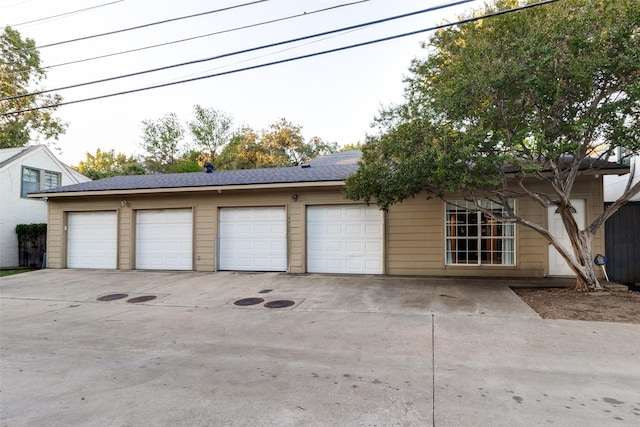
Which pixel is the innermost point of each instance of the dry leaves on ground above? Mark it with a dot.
(562, 303)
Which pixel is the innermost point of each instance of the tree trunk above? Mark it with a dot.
(586, 280)
(581, 264)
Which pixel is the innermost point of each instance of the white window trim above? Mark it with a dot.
(41, 179)
(479, 240)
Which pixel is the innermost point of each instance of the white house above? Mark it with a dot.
(25, 170)
(614, 185)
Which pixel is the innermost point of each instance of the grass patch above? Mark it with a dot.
(12, 272)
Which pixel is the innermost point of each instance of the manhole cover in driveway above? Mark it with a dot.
(249, 301)
(142, 298)
(112, 297)
(281, 303)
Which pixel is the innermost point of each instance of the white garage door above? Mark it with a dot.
(253, 239)
(344, 239)
(92, 239)
(164, 239)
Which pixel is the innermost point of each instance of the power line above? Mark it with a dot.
(67, 13)
(253, 49)
(437, 27)
(15, 4)
(137, 27)
(202, 36)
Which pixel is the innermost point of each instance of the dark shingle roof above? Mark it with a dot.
(299, 174)
(350, 157)
(588, 164)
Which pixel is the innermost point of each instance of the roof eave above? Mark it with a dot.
(218, 188)
(622, 170)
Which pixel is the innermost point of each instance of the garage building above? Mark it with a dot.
(295, 220)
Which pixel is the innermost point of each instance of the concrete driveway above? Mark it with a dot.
(357, 351)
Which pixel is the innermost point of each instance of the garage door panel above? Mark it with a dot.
(373, 247)
(355, 247)
(253, 239)
(344, 239)
(92, 239)
(164, 239)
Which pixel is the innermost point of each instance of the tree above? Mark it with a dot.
(189, 162)
(349, 147)
(211, 130)
(539, 92)
(105, 164)
(242, 152)
(280, 146)
(316, 147)
(162, 140)
(20, 72)
(285, 145)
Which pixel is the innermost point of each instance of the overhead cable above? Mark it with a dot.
(67, 13)
(201, 36)
(14, 4)
(238, 52)
(137, 27)
(437, 27)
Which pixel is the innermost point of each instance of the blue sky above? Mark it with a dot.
(334, 96)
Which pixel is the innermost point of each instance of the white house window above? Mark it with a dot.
(30, 181)
(51, 180)
(473, 238)
(34, 180)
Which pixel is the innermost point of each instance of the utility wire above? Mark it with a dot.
(137, 27)
(67, 13)
(238, 52)
(200, 36)
(437, 27)
(14, 4)
(260, 56)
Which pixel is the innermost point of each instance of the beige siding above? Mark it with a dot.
(296, 231)
(125, 245)
(531, 253)
(206, 218)
(415, 237)
(414, 229)
(55, 238)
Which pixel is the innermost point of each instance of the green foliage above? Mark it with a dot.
(187, 163)
(281, 145)
(162, 141)
(533, 90)
(30, 232)
(242, 152)
(105, 164)
(214, 140)
(210, 130)
(20, 72)
(349, 147)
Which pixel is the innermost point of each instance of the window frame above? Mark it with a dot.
(41, 182)
(484, 247)
(44, 185)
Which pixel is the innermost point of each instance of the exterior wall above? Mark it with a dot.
(21, 210)
(416, 237)
(415, 230)
(205, 215)
(614, 185)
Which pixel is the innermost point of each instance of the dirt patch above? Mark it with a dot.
(620, 306)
